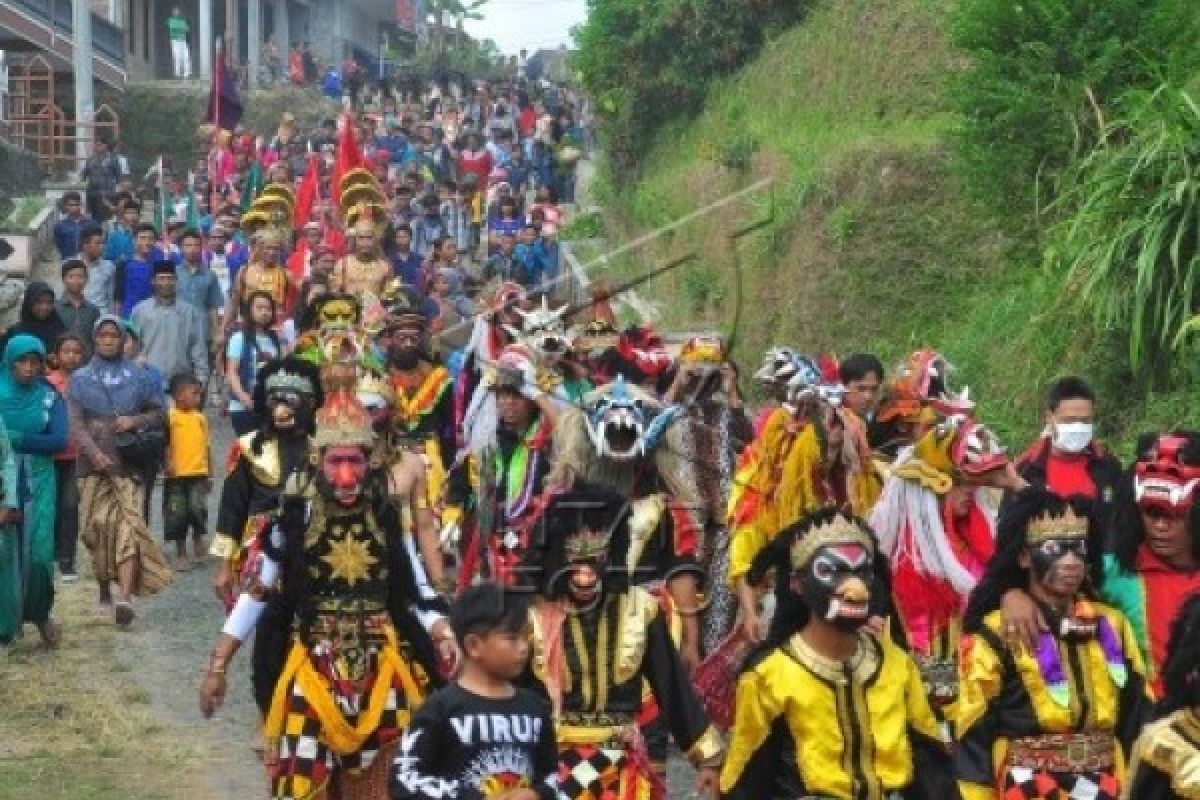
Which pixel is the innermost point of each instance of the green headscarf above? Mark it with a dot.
(23, 406)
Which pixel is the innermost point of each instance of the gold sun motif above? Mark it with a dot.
(349, 560)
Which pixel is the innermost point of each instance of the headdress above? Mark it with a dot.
(840, 530)
(1168, 475)
(622, 422)
(542, 329)
(1067, 525)
(403, 306)
(585, 505)
(703, 349)
(927, 375)
(343, 421)
(286, 374)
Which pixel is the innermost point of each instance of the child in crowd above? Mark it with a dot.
(66, 357)
(188, 472)
(448, 750)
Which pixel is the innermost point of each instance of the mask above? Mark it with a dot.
(1072, 437)
(288, 410)
(1167, 479)
(835, 584)
(344, 469)
(337, 313)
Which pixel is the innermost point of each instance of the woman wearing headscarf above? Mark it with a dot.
(34, 428)
(38, 316)
(111, 395)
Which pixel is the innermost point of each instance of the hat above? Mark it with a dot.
(164, 267)
(108, 319)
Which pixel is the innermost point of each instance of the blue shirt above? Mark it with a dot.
(119, 245)
(67, 232)
(531, 263)
(408, 269)
(134, 283)
(200, 289)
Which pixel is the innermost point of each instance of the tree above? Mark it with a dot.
(459, 10)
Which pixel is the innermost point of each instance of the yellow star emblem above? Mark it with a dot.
(349, 560)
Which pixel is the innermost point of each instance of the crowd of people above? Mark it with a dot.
(483, 544)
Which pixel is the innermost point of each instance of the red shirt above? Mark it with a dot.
(476, 162)
(1068, 475)
(526, 122)
(1166, 591)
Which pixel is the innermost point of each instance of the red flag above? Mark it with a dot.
(306, 194)
(349, 156)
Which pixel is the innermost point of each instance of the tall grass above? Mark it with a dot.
(1132, 241)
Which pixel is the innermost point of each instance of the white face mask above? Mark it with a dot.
(1072, 437)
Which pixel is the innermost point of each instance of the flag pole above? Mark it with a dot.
(162, 207)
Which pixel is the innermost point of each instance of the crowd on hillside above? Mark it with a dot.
(483, 544)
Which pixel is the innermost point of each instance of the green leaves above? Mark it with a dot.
(1130, 238)
(651, 62)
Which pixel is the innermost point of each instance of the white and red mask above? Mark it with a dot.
(345, 469)
(1164, 481)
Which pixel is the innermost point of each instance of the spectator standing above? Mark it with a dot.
(428, 228)
(110, 395)
(38, 317)
(188, 479)
(100, 288)
(502, 264)
(529, 261)
(34, 429)
(68, 356)
(172, 331)
(68, 231)
(250, 347)
(198, 286)
(77, 315)
(406, 264)
(118, 248)
(181, 56)
(134, 275)
(101, 174)
(296, 65)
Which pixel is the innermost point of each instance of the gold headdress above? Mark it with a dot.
(839, 530)
(1067, 525)
(343, 421)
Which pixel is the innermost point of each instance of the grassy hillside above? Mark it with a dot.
(873, 243)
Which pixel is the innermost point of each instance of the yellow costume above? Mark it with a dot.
(780, 479)
(1058, 721)
(852, 727)
(1166, 760)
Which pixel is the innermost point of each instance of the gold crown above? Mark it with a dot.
(839, 530)
(1067, 525)
(343, 421)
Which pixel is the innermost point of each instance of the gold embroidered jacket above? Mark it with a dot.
(808, 726)
(1166, 760)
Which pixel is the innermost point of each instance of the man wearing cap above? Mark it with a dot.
(173, 337)
(365, 269)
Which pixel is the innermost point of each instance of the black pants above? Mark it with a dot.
(66, 515)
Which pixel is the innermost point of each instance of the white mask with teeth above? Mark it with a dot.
(542, 330)
(617, 424)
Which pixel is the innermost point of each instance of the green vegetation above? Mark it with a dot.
(880, 238)
(649, 63)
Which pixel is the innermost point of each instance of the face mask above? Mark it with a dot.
(1072, 437)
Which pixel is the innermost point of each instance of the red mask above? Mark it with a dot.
(345, 469)
(1163, 481)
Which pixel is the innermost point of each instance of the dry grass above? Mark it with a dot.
(76, 724)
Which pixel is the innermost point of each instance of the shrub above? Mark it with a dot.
(1131, 241)
(646, 63)
(1042, 74)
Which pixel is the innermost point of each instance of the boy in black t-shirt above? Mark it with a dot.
(481, 737)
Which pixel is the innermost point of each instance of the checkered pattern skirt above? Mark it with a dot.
(588, 772)
(331, 715)
(1022, 783)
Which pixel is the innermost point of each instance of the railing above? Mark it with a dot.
(108, 40)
